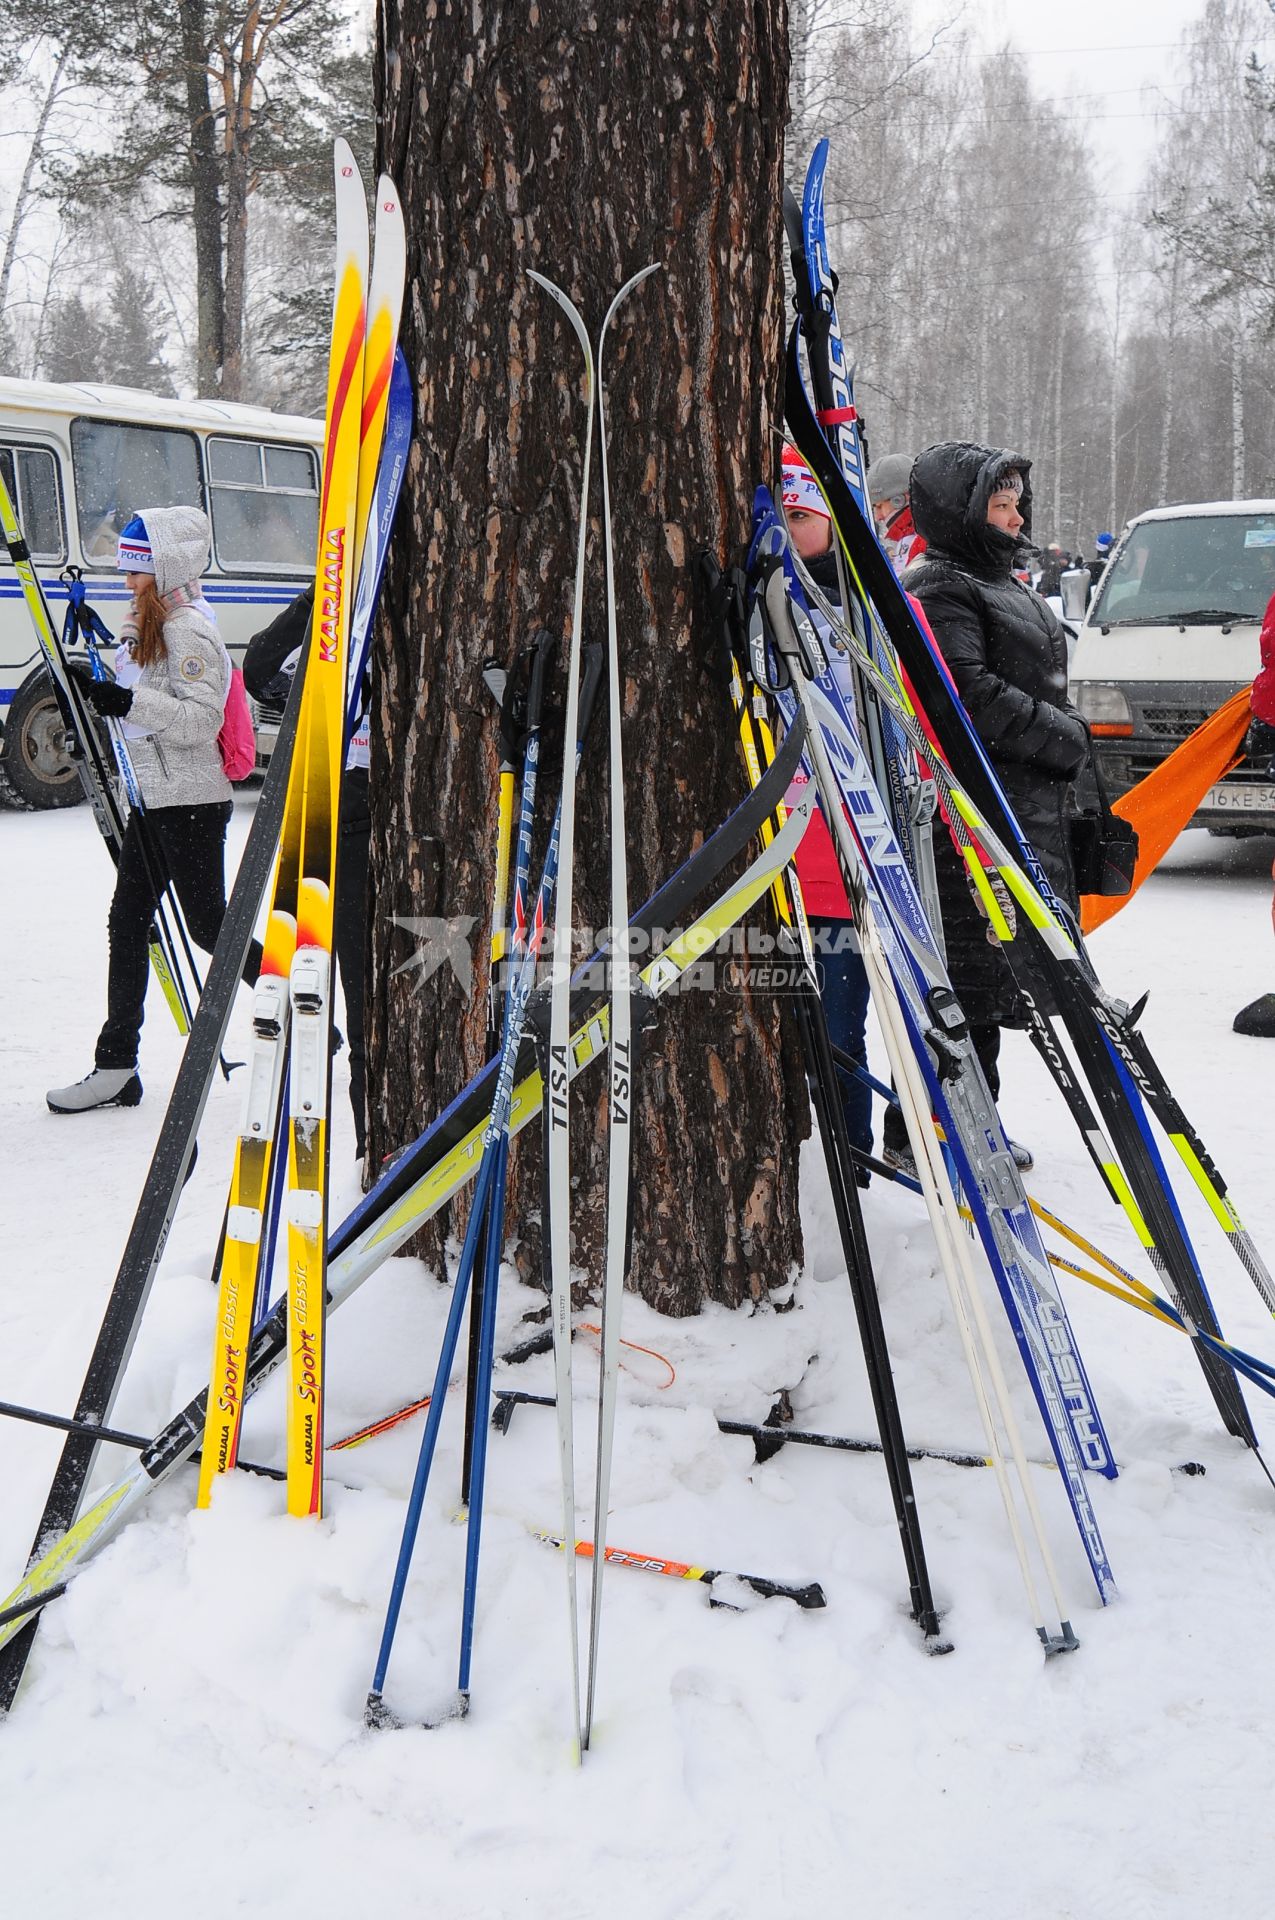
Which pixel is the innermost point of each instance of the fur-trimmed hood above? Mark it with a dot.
(951, 486)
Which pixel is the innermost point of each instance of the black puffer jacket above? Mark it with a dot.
(1007, 653)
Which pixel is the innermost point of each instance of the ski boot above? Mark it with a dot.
(104, 1087)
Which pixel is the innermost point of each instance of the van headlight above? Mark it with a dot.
(1104, 707)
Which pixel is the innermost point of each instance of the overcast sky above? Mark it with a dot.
(1114, 62)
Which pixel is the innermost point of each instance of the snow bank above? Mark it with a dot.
(190, 1735)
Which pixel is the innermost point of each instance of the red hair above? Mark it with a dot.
(149, 615)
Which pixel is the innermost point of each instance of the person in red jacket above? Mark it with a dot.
(843, 982)
(1258, 1017)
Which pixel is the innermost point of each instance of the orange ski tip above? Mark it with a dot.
(314, 913)
(279, 944)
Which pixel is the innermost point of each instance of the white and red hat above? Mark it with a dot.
(800, 488)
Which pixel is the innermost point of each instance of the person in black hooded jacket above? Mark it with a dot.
(1007, 653)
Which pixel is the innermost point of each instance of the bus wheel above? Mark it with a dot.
(34, 765)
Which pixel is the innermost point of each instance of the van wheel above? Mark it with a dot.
(34, 764)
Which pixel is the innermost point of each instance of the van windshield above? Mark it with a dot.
(1196, 570)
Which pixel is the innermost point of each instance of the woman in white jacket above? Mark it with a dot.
(172, 678)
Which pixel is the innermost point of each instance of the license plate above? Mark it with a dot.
(1237, 797)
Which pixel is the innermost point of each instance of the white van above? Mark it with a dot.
(79, 461)
(1170, 634)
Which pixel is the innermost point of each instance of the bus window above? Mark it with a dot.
(31, 475)
(265, 506)
(119, 470)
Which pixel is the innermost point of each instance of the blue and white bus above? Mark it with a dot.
(79, 461)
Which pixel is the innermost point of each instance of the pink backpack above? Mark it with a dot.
(237, 741)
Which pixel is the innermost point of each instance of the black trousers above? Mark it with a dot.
(187, 847)
(349, 933)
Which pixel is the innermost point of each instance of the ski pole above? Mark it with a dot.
(527, 942)
(515, 723)
(810, 1596)
(519, 992)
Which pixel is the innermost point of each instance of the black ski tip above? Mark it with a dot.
(936, 1647)
(1194, 1469)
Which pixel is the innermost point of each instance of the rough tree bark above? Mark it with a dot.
(205, 196)
(239, 89)
(585, 142)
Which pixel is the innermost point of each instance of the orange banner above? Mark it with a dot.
(1161, 806)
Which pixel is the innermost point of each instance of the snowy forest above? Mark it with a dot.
(164, 184)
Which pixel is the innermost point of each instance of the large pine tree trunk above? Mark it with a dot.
(205, 196)
(584, 142)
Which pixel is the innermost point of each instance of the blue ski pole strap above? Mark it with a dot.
(81, 618)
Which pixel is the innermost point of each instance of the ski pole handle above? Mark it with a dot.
(590, 682)
(812, 1595)
(504, 684)
(542, 648)
(495, 679)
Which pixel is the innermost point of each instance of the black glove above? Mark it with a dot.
(109, 697)
(1259, 745)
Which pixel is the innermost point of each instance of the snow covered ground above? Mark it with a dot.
(190, 1737)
